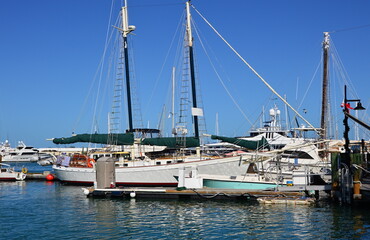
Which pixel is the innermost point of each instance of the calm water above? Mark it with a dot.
(42, 210)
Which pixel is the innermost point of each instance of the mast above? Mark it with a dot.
(324, 103)
(217, 127)
(173, 98)
(191, 62)
(126, 30)
(109, 127)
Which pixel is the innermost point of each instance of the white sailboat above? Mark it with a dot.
(163, 171)
(158, 171)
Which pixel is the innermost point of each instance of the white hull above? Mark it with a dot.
(20, 158)
(12, 176)
(165, 174)
(8, 174)
(158, 175)
(28, 158)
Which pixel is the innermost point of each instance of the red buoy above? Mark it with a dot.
(50, 177)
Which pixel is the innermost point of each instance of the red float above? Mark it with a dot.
(50, 177)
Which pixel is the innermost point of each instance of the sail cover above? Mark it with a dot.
(253, 145)
(172, 142)
(114, 139)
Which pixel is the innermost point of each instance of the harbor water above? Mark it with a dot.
(50, 210)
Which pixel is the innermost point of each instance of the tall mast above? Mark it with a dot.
(173, 98)
(126, 30)
(192, 74)
(324, 103)
(217, 127)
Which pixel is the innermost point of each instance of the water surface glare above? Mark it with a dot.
(47, 210)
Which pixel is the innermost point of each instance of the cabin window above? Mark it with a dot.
(168, 162)
(158, 163)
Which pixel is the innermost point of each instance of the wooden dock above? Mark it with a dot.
(268, 197)
(40, 176)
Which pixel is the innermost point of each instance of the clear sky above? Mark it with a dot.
(50, 51)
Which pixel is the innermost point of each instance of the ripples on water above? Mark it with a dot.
(42, 210)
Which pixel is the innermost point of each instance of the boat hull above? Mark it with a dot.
(28, 158)
(214, 183)
(162, 175)
(250, 181)
(11, 176)
(19, 158)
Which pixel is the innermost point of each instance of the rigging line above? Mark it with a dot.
(343, 72)
(202, 119)
(101, 69)
(111, 69)
(261, 115)
(108, 73)
(165, 60)
(220, 79)
(135, 84)
(339, 64)
(351, 28)
(156, 5)
(258, 119)
(255, 72)
(334, 95)
(100, 65)
(309, 85)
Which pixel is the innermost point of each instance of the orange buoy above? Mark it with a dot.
(50, 177)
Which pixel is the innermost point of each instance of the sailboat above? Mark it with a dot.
(147, 172)
(164, 171)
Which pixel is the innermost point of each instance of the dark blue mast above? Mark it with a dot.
(192, 73)
(126, 29)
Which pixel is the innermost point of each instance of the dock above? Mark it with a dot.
(261, 196)
(191, 188)
(43, 176)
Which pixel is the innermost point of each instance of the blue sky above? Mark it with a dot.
(50, 51)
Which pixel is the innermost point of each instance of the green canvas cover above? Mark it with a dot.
(253, 145)
(172, 142)
(114, 139)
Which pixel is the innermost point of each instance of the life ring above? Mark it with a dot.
(24, 170)
(90, 162)
(20, 176)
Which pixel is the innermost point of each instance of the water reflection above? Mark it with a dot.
(57, 211)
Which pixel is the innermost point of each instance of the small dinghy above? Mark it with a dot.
(7, 173)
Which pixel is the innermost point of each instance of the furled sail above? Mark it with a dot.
(249, 144)
(113, 138)
(172, 142)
